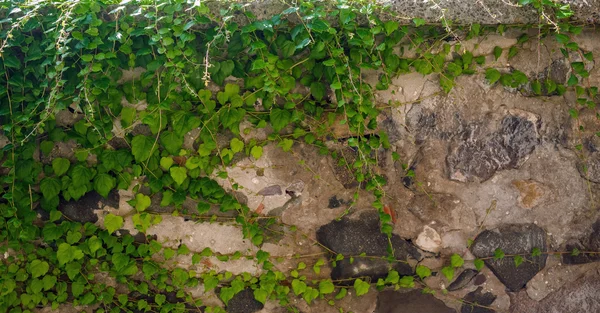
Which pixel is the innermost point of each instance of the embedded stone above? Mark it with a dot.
(512, 239)
(478, 302)
(590, 167)
(244, 302)
(463, 279)
(478, 155)
(351, 236)
(429, 240)
(82, 210)
(414, 301)
(591, 243)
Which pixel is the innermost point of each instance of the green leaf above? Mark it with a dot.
(423, 271)
(448, 272)
(113, 222)
(256, 152)
(67, 253)
(478, 264)
(512, 52)
(407, 282)
(38, 268)
(280, 118)
(418, 22)
(298, 286)
(48, 281)
(341, 294)
(392, 278)
(166, 162)
(497, 52)
(536, 86)
(236, 145)
(171, 141)
(518, 260)
(261, 295)
(317, 90)
(456, 260)
(286, 144)
(361, 287)
(326, 287)
(104, 183)
(390, 27)
(60, 166)
(492, 75)
(498, 254)
(573, 80)
(142, 147)
(142, 202)
(179, 174)
(50, 187)
(536, 252)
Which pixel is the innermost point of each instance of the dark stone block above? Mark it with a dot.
(244, 302)
(591, 244)
(477, 302)
(463, 279)
(351, 237)
(414, 301)
(82, 210)
(512, 240)
(477, 156)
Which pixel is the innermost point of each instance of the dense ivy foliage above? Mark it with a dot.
(298, 72)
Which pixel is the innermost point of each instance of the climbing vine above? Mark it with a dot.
(140, 75)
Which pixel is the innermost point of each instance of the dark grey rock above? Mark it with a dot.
(273, 190)
(118, 143)
(591, 244)
(82, 210)
(335, 203)
(141, 129)
(478, 155)
(463, 279)
(414, 301)
(477, 302)
(512, 239)
(589, 168)
(580, 296)
(351, 237)
(479, 280)
(244, 302)
(519, 136)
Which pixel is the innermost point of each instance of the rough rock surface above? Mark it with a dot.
(351, 237)
(591, 243)
(463, 279)
(414, 301)
(581, 296)
(478, 155)
(512, 240)
(478, 302)
(82, 210)
(244, 302)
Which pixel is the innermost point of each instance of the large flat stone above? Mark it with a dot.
(512, 239)
(414, 301)
(361, 234)
(478, 155)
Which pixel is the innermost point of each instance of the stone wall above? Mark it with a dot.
(493, 168)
